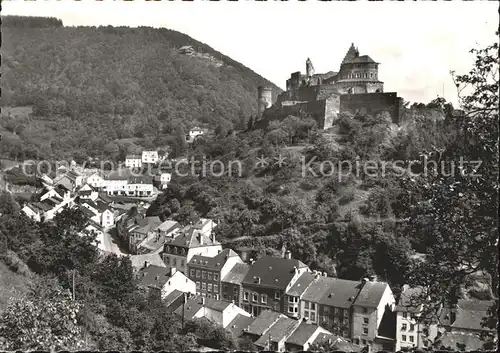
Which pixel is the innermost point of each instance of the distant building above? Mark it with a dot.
(99, 212)
(161, 281)
(231, 283)
(188, 243)
(95, 180)
(150, 157)
(208, 272)
(52, 202)
(267, 281)
(133, 161)
(158, 237)
(219, 312)
(194, 133)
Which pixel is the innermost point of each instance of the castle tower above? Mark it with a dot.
(309, 68)
(264, 99)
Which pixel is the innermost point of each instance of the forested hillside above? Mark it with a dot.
(89, 86)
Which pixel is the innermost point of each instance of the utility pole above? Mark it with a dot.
(183, 305)
(73, 285)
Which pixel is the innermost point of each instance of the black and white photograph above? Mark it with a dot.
(289, 176)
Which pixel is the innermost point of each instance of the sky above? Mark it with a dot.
(416, 43)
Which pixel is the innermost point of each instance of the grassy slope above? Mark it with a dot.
(12, 284)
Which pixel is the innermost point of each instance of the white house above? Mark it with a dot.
(162, 281)
(133, 161)
(86, 192)
(195, 132)
(95, 180)
(220, 312)
(150, 157)
(99, 212)
(139, 186)
(53, 201)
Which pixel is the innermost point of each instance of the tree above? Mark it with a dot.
(47, 323)
(460, 208)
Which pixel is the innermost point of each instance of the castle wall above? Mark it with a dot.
(326, 91)
(372, 103)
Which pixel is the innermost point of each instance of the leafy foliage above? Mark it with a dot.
(91, 86)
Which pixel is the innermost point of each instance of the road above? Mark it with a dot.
(107, 243)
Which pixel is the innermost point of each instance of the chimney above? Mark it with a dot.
(213, 238)
(295, 269)
(200, 238)
(270, 268)
(203, 301)
(373, 278)
(288, 255)
(364, 280)
(157, 278)
(146, 264)
(232, 301)
(173, 270)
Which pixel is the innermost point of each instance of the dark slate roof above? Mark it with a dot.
(193, 305)
(190, 239)
(341, 293)
(301, 284)
(142, 179)
(281, 329)
(274, 272)
(87, 212)
(121, 174)
(302, 334)
(470, 314)
(153, 276)
(172, 297)
(263, 322)
(371, 294)
(237, 274)
(317, 289)
(214, 263)
(406, 299)
(363, 59)
(133, 156)
(239, 323)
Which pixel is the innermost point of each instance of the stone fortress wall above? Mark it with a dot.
(355, 87)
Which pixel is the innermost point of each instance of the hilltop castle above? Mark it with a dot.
(324, 96)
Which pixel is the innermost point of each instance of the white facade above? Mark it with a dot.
(31, 213)
(194, 132)
(165, 178)
(133, 162)
(95, 180)
(150, 157)
(139, 189)
(115, 186)
(107, 219)
(180, 282)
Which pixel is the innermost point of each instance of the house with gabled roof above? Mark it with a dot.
(231, 283)
(275, 337)
(51, 201)
(186, 244)
(161, 281)
(303, 336)
(98, 211)
(261, 324)
(267, 281)
(369, 308)
(133, 161)
(294, 294)
(95, 180)
(218, 311)
(208, 271)
(158, 237)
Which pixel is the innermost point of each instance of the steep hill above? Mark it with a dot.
(89, 86)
